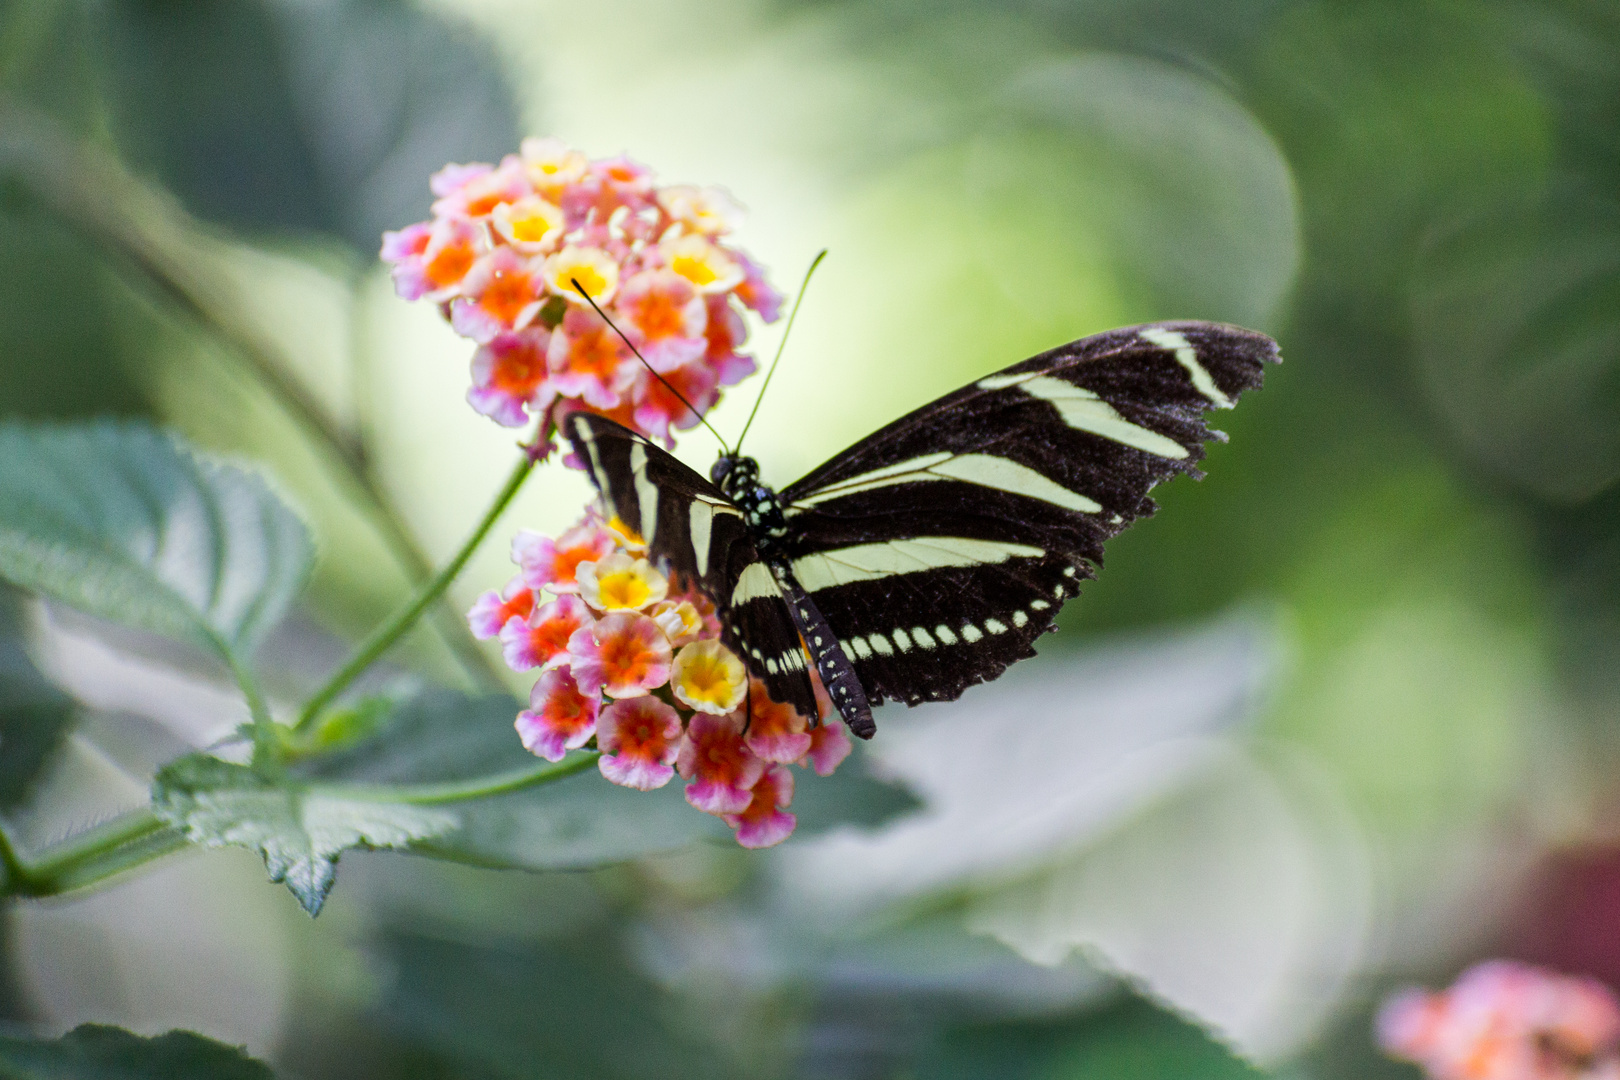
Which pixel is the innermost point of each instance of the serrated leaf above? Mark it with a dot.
(300, 829)
(101, 1052)
(119, 520)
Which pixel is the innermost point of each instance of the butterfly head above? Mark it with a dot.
(734, 475)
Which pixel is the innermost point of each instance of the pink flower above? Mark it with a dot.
(410, 241)
(552, 564)
(452, 178)
(541, 640)
(559, 717)
(588, 361)
(639, 739)
(657, 409)
(509, 375)
(664, 315)
(722, 769)
(502, 292)
(435, 272)
(764, 823)
(1504, 1021)
(755, 292)
(624, 182)
(777, 731)
(476, 194)
(829, 746)
(725, 332)
(492, 610)
(623, 654)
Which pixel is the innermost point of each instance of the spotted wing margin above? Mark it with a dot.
(941, 546)
(695, 534)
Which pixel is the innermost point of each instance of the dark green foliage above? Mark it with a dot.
(99, 1052)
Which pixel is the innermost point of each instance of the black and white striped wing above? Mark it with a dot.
(694, 533)
(940, 547)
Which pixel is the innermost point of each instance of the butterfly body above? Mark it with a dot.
(930, 555)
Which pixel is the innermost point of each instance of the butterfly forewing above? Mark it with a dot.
(941, 546)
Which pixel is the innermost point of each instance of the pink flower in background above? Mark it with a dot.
(559, 718)
(506, 243)
(542, 638)
(764, 822)
(508, 376)
(493, 610)
(624, 655)
(1506, 1021)
(721, 768)
(640, 739)
(552, 564)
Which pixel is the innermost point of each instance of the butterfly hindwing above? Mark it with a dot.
(941, 546)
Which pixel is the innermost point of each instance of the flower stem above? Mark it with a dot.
(391, 631)
(467, 790)
(93, 856)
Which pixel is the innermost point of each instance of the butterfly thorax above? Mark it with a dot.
(738, 478)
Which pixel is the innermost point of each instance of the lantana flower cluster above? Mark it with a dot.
(631, 662)
(504, 246)
(1507, 1021)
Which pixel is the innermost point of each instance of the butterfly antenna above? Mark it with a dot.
(575, 283)
(794, 314)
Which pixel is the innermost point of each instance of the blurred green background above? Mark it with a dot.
(1341, 716)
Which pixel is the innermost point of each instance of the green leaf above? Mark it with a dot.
(100, 1052)
(34, 715)
(1130, 1040)
(580, 821)
(119, 520)
(300, 829)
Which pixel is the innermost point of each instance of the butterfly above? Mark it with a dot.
(930, 555)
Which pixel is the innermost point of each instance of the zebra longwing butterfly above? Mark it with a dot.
(930, 555)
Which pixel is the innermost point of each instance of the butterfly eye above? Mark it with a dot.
(720, 469)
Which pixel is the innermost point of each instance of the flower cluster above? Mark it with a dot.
(1506, 1021)
(634, 661)
(504, 246)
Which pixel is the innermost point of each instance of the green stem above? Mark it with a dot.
(93, 856)
(467, 790)
(391, 631)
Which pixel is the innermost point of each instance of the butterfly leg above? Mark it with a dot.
(836, 671)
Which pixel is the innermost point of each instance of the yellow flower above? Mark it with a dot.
(594, 268)
(530, 224)
(708, 677)
(551, 165)
(681, 622)
(620, 583)
(709, 211)
(701, 263)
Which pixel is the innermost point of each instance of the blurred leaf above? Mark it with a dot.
(580, 821)
(34, 715)
(1132, 1040)
(1517, 319)
(563, 1011)
(1193, 199)
(300, 830)
(122, 522)
(278, 114)
(100, 1052)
